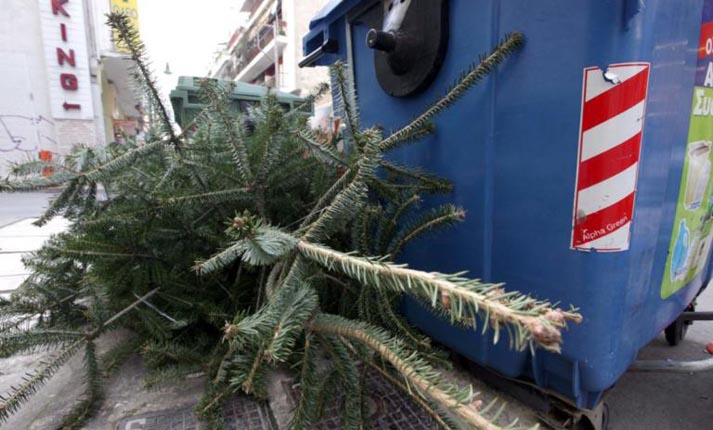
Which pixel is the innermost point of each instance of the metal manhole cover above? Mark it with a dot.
(390, 409)
(240, 413)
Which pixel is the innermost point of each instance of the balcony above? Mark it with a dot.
(250, 6)
(260, 52)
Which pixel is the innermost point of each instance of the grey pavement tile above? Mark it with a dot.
(389, 409)
(240, 413)
(245, 413)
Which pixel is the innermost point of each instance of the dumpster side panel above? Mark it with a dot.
(617, 292)
(511, 149)
(459, 147)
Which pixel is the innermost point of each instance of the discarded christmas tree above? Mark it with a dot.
(225, 244)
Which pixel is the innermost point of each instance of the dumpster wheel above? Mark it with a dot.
(676, 331)
(551, 408)
(563, 416)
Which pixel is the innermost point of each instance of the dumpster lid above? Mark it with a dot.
(320, 44)
(331, 11)
(192, 83)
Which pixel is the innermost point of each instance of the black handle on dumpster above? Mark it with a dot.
(381, 40)
(330, 46)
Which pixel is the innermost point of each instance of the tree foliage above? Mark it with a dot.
(239, 246)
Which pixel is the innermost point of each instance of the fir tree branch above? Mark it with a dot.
(86, 253)
(251, 382)
(305, 415)
(430, 410)
(419, 132)
(168, 375)
(386, 228)
(264, 247)
(93, 394)
(326, 198)
(320, 151)
(228, 127)
(212, 197)
(397, 323)
(106, 324)
(34, 340)
(439, 217)
(30, 313)
(12, 324)
(344, 95)
(346, 203)
(129, 38)
(65, 198)
(11, 402)
(463, 299)
(273, 138)
(209, 408)
(123, 161)
(293, 314)
(317, 93)
(472, 78)
(424, 181)
(38, 183)
(33, 167)
(361, 229)
(418, 373)
(350, 382)
(76, 180)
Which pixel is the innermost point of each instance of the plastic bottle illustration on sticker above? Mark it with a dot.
(699, 169)
(680, 252)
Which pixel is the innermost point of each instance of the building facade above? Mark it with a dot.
(267, 49)
(62, 80)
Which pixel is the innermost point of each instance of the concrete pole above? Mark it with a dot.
(276, 31)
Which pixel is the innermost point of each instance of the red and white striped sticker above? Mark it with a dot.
(612, 123)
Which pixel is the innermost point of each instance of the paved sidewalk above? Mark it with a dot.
(18, 239)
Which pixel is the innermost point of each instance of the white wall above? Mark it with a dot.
(306, 79)
(297, 14)
(26, 123)
(97, 11)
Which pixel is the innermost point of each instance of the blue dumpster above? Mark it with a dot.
(584, 161)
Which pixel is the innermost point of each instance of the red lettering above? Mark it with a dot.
(58, 7)
(63, 31)
(69, 81)
(62, 57)
(71, 106)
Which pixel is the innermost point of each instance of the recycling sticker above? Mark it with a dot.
(692, 233)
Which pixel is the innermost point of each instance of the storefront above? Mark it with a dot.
(63, 83)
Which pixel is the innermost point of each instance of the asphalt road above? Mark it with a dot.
(640, 401)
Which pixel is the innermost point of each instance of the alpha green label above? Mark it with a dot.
(691, 237)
